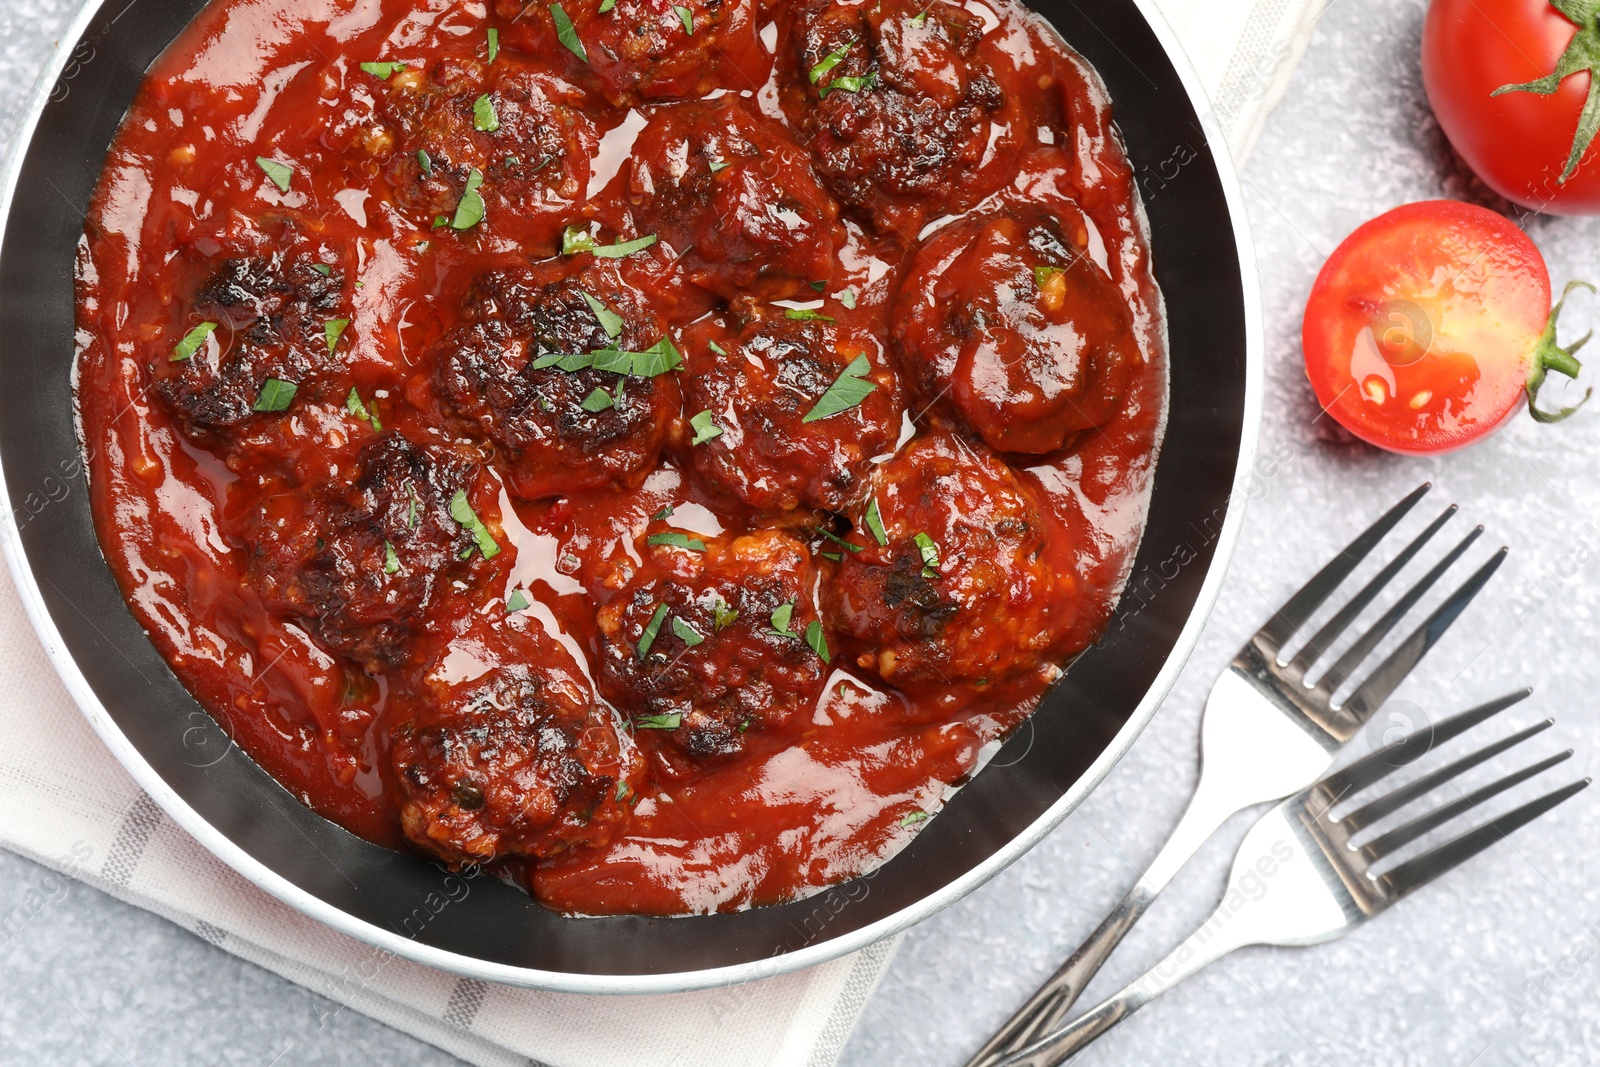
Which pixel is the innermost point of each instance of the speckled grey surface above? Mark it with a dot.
(1495, 965)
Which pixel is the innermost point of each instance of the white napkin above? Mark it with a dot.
(66, 803)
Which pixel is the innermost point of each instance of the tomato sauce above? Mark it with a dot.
(649, 453)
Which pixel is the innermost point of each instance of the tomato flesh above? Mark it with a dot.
(1422, 326)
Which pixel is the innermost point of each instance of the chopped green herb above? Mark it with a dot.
(659, 358)
(818, 640)
(598, 401)
(391, 562)
(718, 349)
(461, 511)
(624, 248)
(1042, 275)
(518, 601)
(484, 117)
(686, 633)
(354, 406)
(676, 539)
(565, 32)
(848, 298)
(930, 554)
(705, 428)
(920, 17)
(192, 341)
(607, 5)
(836, 539)
(781, 619)
(874, 521)
(575, 239)
(912, 818)
(384, 71)
(440, 221)
(333, 330)
(323, 269)
(845, 393)
(805, 315)
(275, 395)
(648, 638)
(624, 790)
(837, 557)
(850, 84)
(659, 722)
(686, 17)
(610, 321)
(281, 174)
(494, 43)
(664, 513)
(425, 161)
(831, 60)
(718, 166)
(724, 614)
(470, 211)
(411, 508)
(817, 286)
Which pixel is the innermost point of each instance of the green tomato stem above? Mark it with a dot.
(1548, 355)
(1582, 53)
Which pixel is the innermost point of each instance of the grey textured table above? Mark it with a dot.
(1496, 965)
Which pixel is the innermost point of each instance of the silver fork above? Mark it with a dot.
(1266, 733)
(1298, 880)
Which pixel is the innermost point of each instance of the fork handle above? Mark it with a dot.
(1211, 806)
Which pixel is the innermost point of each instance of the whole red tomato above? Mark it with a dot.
(1430, 326)
(1508, 80)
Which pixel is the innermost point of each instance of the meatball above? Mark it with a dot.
(759, 389)
(642, 50)
(895, 102)
(1006, 319)
(692, 645)
(518, 762)
(737, 197)
(520, 129)
(358, 560)
(270, 314)
(560, 427)
(973, 585)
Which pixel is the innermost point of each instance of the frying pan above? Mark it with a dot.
(492, 931)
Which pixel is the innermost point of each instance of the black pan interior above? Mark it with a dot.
(1196, 263)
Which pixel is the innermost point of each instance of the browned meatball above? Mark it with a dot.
(560, 430)
(521, 129)
(731, 191)
(974, 584)
(641, 50)
(358, 559)
(270, 313)
(1007, 321)
(691, 644)
(896, 104)
(518, 762)
(770, 375)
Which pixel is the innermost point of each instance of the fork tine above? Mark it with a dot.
(1392, 802)
(1325, 637)
(1368, 769)
(1420, 870)
(1336, 675)
(1298, 608)
(1386, 844)
(1392, 671)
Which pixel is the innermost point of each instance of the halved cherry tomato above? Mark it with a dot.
(1429, 326)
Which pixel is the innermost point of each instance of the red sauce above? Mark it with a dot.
(421, 591)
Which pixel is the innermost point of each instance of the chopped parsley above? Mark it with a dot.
(517, 601)
(686, 17)
(837, 557)
(576, 240)
(836, 539)
(845, 393)
(718, 349)
(192, 341)
(929, 551)
(484, 117)
(411, 508)
(874, 522)
(659, 722)
(470, 211)
(850, 84)
(391, 562)
(323, 269)
(705, 428)
(831, 60)
(718, 166)
(494, 43)
(610, 321)
(383, 71)
(817, 287)
(914, 817)
(354, 406)
(724, 614)
(659, 358)
(818, 640)
(607, 5)
(425, 161)
(781, 619)
(280, 173)
(598, 401)
(1042, 275)
(648, 638)
(686, 633)
(664, 513)
(676, 539)
(275, 395)
(848, 298)
(565, 32)
(461, 511)
(333, 330)
(805, 315)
